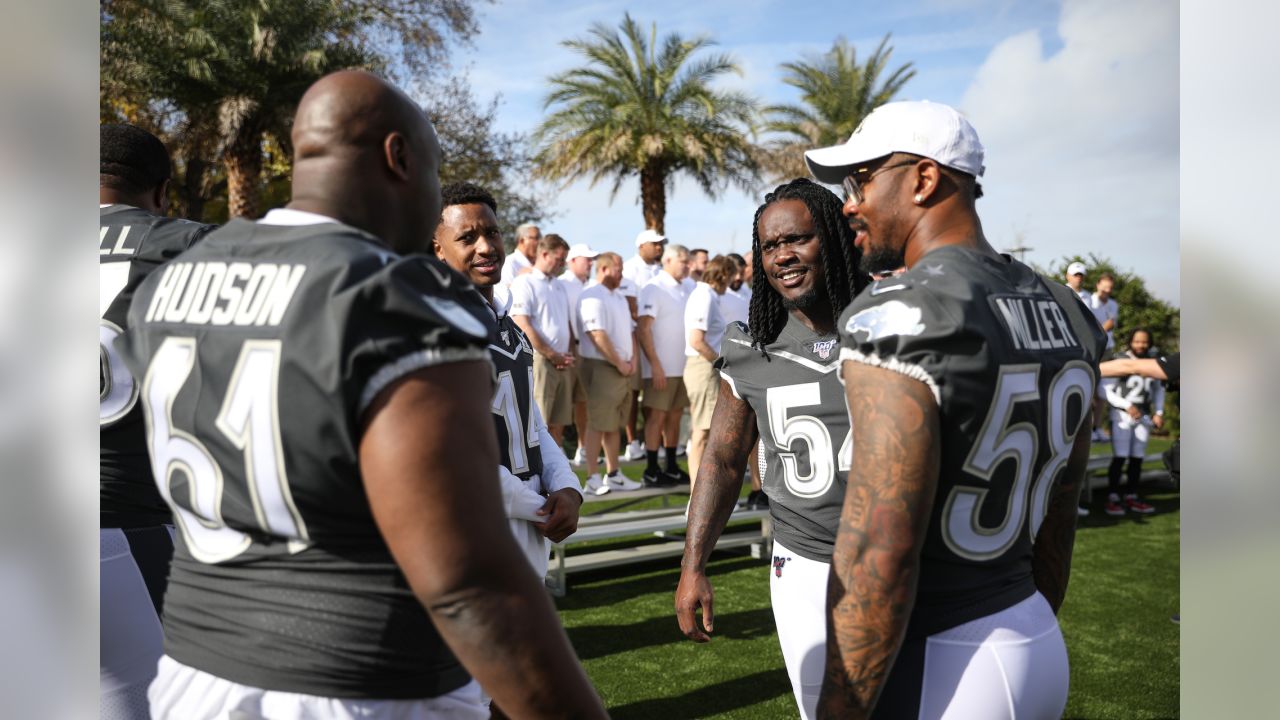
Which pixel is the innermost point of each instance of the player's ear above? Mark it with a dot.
(928, 175)
(396, 153)
(161, 197)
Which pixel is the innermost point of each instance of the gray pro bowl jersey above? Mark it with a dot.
(804, 429)
(512, 407)
(131, 244)
(260, 350)
(1013, 363)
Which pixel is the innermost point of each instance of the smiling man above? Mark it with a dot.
(778, 382)
(968, 381)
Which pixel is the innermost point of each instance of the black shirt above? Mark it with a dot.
(131, 244)
(1012, 361)
(261, 349)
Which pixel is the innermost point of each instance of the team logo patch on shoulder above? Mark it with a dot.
(823, 348)
(892, 318)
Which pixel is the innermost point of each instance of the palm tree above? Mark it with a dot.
(837, 93)
(637, 108)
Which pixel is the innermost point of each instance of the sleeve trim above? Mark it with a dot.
(911, 370)
(413, 362)
(733, 386)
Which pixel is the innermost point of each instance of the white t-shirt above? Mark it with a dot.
(735, 305)
(702, 312)
(516, 262)
(663, 299)
(539, 297)
(573, 287)
(636, 273)
(600, 308)
(1104, 311)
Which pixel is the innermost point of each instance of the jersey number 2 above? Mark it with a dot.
(250, 419)
(998, 441)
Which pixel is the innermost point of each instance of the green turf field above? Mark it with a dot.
(1116, 620)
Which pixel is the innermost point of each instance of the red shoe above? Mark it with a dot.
(1113, 506)
(1135, 505)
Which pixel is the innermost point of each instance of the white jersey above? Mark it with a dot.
(663, 299)
(516, 262)
(600, 308)
(636, 273)
(736, 305)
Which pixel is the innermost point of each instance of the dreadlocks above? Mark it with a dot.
(840, 258)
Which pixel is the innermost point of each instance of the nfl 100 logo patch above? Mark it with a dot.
(823, 348)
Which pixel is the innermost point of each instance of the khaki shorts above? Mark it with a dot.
(702, 382)
(553, 391)
(608, 396)
(579, 385)
(672, 397)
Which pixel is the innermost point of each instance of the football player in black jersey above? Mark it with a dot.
(135, 546)
(541, 493)
(1137, 406)
(968, 380)
(317, 398)
(778, 383)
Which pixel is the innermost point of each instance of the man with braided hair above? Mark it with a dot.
(778, 382)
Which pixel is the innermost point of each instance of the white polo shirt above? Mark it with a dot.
(573, 288)
(735, 305)
(663, 299)
(600, 308)
(636, 273)
(539, 297)
(1104, 311)
(516, 262)
(702, 312)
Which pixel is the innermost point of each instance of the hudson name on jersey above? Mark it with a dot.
(131, 244)
(805, 443)
(260, 350)
(1012, 361)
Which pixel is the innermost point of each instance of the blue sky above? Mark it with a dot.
(1076, 102)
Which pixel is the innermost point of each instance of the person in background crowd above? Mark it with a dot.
(704, 328)
(1107, 312)
(698, 258)
(1137, 405)
(574, 281)
(609, 361)
(540, 307)
(660, 332)
(636, 272)
(521, 261)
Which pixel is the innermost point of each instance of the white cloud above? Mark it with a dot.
(1082, 145)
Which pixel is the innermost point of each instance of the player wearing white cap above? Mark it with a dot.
(968, 380)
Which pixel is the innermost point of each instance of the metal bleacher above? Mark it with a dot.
(747, 529)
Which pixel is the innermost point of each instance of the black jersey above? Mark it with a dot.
(260, 350)
(1012, 361)
(805, 443)
(512, 405)
(131, 243)
(1144, 393)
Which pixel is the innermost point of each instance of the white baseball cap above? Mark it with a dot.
(581, 250)
(933, 130)
(649, 236)
(1075, 268)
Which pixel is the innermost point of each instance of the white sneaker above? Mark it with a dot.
(620, 482)
(596, 485)
(681, 451)
(635, 451)
(1082, 511)
(580, 457)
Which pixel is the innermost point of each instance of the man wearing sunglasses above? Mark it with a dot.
(968, 380)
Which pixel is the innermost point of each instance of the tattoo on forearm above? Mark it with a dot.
(875, 566)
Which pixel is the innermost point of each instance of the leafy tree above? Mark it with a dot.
(640, 107)
(222, 78)
(836, 92)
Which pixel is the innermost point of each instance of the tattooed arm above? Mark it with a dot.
(887, 504)
(733, 432)
(1051, 557)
